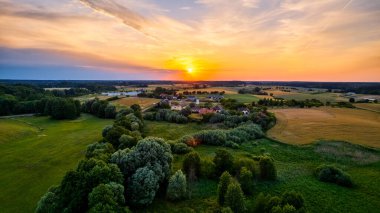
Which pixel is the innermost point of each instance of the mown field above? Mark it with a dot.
(36, 152)
(303, 95)
(143, 102)
(303, 126)
(295, 165)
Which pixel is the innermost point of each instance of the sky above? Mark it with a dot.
(261, 40)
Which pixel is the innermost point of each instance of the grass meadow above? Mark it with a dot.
(295, 166)
(36, 152)
(303, 126)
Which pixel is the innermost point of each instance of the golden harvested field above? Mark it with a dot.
(143, 102)
(303, 126)
(368, 106)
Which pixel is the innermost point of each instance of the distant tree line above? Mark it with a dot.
(289, 103)
(254, 91)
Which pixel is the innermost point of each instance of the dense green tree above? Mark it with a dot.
(224, 181)
(110, 111)
(223, 161)
(192, 165)
(48, 203)
(235, 197)
(177, 186)
(143, 186)
(267, 168)
(246, 180)
(127, 141)
(113, 135)
(108, 197)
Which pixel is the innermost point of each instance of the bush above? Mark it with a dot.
(180, 148)
(293, 198)
(177, 186)
(267, 168)
(224, 180)
(235, 197)
(244, 162)
(246, 181)
(208, 169)
(328, 173)
(223, 161)
(188, 140)
(192, 165)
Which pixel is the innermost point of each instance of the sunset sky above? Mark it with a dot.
(285, 40)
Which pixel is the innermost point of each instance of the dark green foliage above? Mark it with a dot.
(127, 141)
(188, 140)
(246, 181)
(72, 194)
(293, 198)
(177, 186)
(143, 186)
(107, 198)
(106, 129)
(208, 169)
(288, 202)
(192, 165)
(267, 168)
(329, 173)
(48, 203)
(113, 135)
(145, 167)
(229, 138)
(235, 197)
(110, 111)
(180, 148)
(244, 162)
(100, 151)
(61, 108)
(223, 161)
(224, 181)
(166, 115)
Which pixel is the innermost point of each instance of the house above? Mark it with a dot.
(191, 98)
(216, 97)
(195, 109)
(203, 111)
(350, 94)
(218, 109)
(244, 110)
(178, 105)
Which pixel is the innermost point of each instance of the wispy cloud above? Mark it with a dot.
(255, 37)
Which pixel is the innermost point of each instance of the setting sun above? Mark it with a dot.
(189, 70)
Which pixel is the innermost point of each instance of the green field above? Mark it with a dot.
(172, 131)
(295, 165)
(36, 152)
(242, 98)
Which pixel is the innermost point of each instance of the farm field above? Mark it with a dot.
(324, 97)
(368, 106)
(242, 98)
(35, 153)
(128, 101)
(295, 165)
(303, 126)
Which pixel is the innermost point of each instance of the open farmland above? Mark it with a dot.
(36, 152)
(324, 96)
(368, 106)
(128, 101)
(303, 126)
